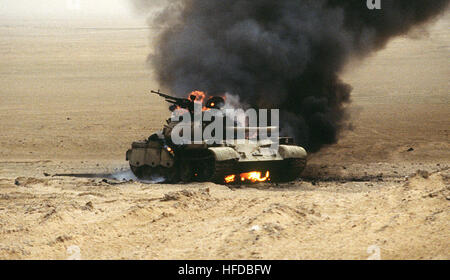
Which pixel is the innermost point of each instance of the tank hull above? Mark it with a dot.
(153, 159)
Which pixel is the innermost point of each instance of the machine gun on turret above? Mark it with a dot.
(178, 103)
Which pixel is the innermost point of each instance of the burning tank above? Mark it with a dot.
(225, 163)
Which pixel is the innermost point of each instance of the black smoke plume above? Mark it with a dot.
(284, 54)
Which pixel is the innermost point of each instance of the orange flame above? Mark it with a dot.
(230, 179)
(254, 176)
(200, 96)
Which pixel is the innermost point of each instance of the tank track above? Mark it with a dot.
(223, 169)
(292, 169)
(289, 170)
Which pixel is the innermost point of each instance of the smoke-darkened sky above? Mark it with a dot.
(285, 54)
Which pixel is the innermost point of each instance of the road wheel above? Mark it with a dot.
(172, 175)
(139, 172)
(292, 169)
(186, 172)
(205, 170)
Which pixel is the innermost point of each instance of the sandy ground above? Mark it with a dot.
(74, 96)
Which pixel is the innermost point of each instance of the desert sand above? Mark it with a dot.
(74, 95)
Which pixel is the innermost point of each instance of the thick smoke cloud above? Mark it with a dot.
(284, 54)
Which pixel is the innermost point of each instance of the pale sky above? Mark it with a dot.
(43, 8)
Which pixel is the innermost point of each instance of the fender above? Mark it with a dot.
(292, 152)
(224, 153)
